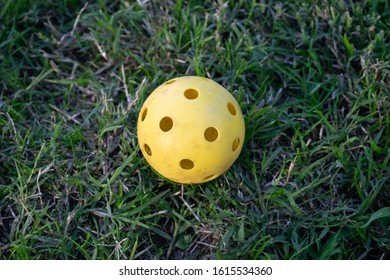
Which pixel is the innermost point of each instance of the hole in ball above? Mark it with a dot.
(186, 164)
(170, 82)
(211, 134)
(166, 124)
(143, 114)
(209, 177)
(231, 109)
(191, 93)
(236, 143)
(147, 149)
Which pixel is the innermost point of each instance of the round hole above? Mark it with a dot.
(170, 82)
(191, 93)
(236, 143)
(232, 109)
(211, 134)
(209, 177)
(166, 124)
(143, 114)
(186, 164)
(147, 149)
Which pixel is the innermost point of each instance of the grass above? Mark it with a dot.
(312, 79)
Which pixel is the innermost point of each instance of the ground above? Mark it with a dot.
(311, 77)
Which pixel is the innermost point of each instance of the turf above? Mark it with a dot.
(312, 79)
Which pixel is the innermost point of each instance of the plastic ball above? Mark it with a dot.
(190, 129)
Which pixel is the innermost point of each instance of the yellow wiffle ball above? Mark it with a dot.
(190, 129)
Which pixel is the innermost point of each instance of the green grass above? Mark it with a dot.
(312, 79)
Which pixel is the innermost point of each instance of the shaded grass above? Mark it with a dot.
(312, 79)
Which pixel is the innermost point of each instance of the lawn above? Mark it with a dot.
(313, 82)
